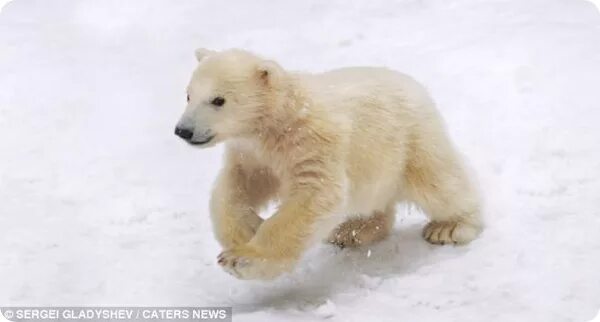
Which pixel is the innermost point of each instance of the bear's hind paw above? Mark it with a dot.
(450, 232)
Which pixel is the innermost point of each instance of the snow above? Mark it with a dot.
(100, 204)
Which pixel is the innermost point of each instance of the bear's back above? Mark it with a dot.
(361, 86)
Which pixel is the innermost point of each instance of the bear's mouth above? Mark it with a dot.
(201, 142)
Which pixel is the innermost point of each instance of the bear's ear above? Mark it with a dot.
(202, 53)
(269, 72)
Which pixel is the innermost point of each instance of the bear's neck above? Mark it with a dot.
(289, 117)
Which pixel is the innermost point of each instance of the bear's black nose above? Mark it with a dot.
(185, 134)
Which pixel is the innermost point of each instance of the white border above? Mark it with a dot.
(3, 3)
(596, 3)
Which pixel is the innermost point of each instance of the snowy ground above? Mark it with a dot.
(100, 204)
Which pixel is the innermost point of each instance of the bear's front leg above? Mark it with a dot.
(241, 190)
(281, 239)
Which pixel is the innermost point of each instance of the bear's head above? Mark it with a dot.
(227, 96)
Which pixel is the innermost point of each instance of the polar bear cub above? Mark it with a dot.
(337, 150)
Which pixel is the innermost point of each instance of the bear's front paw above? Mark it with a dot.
(248, 263)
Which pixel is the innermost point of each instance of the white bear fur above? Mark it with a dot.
(336, 149)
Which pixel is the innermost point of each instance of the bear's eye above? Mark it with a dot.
(218, 101)
(188, 98)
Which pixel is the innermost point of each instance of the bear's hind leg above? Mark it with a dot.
(438, 183)
(360, 231)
